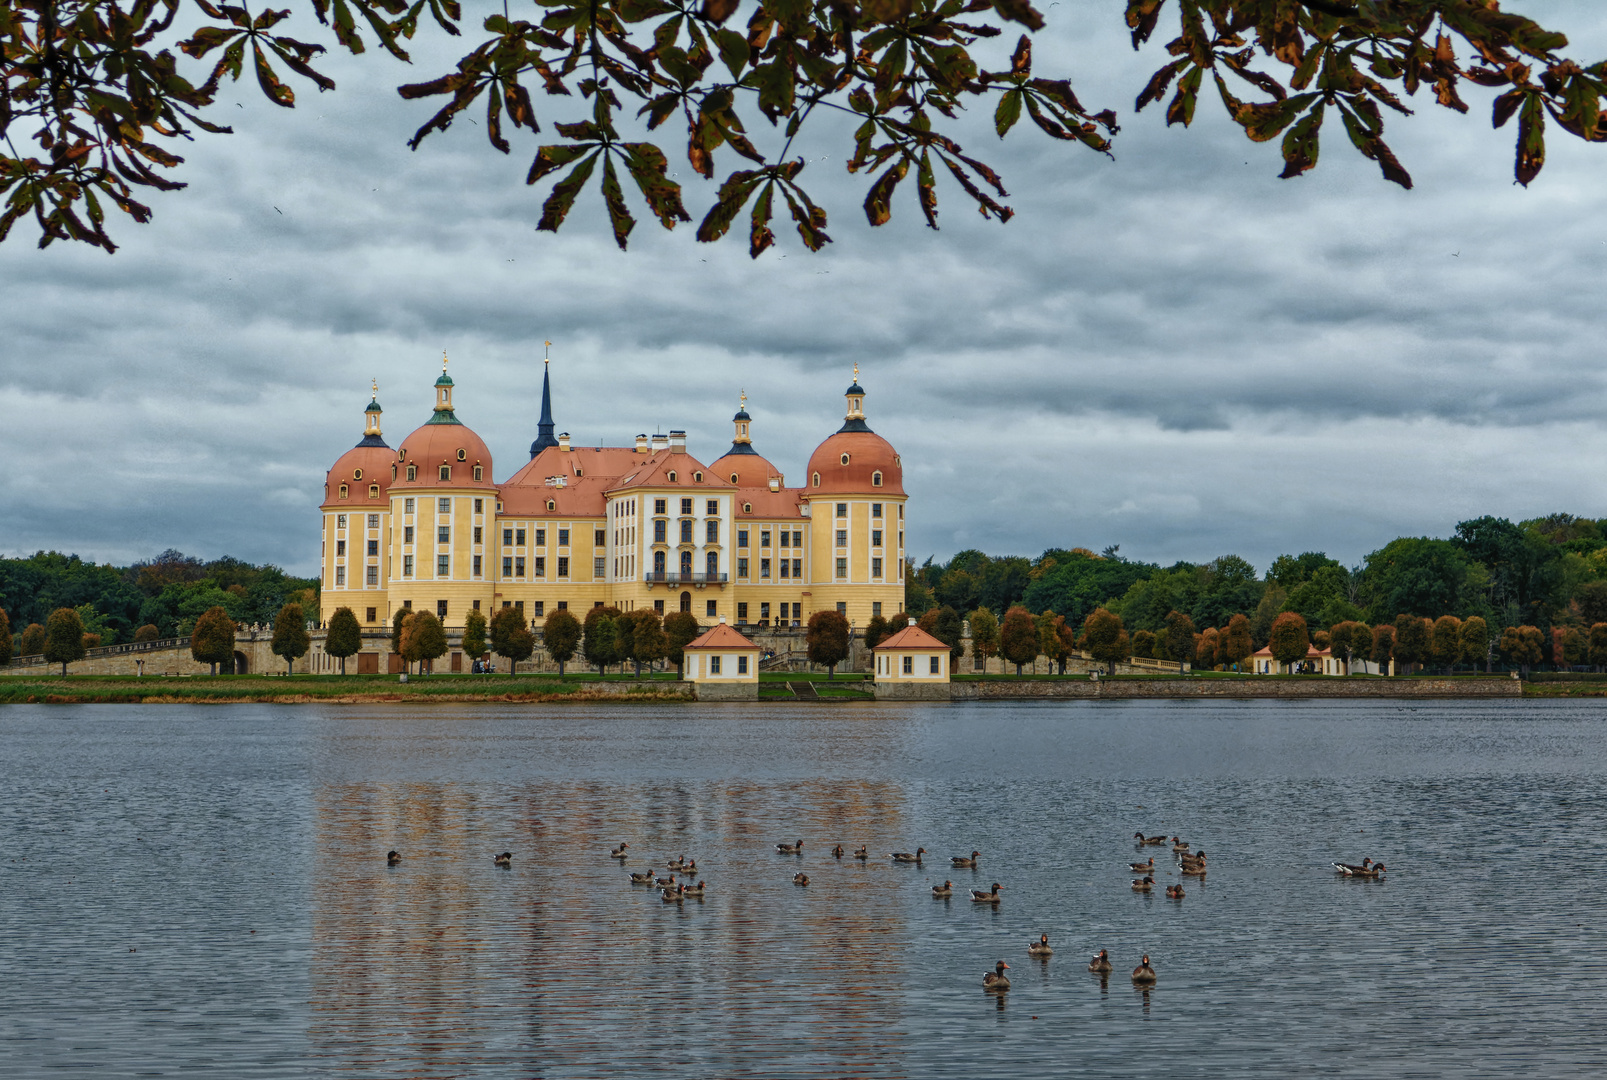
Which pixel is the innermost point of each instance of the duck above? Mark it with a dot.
(1193, 867)
(962, 863)
(1368, 868)
(392, 858)
(1040, 947)
(672, 896)
(690, 869)
(678, 864)
(1100, 964)
(996, 979)
(665, 883)
(505, 859)
(1142, 839)
(790, 849)
(694, 890)
(1174, 892)
(1184, 858)
(800, 879)
(646, 878)
(990, 897)
(837, 852)
(861, 853)
(1143, 884)
(1143, 974)
(1179, 845)
(943, 891)
(905, 856)
(1142, 867)
(619, 852)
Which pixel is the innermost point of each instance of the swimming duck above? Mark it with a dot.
(694, 890)
(1192, 867)
(905, 856)
(678, 864)
(690, 869)
(996, 979)
(665, 883)
(1142, 839)
(1040, 947)
(392, 858)
(1179, 845)
(1368, 868)
(1142, 867)
(1143, 974)
(943, 891)
(1174, 892)
(505, 859)
(1143, 884)
(619, 852)
(647, 878)
(1100, 965)
(861, 853)
(800, 879)
(672, 896)
(962, 863)
(790, 849)
(990, 897)
(837, 852)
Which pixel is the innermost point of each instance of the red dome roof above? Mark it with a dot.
(867, 453)
(359, 468)
(434, 445)
(751, 470)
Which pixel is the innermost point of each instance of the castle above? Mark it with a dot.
(426, 527)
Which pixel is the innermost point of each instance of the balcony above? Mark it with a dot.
(674, 577)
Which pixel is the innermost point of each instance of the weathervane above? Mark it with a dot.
(443, 361)
(376, 389)
(744, 399)
(547, 356)
(856, 371)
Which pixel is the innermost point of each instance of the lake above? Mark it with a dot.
(203, 891)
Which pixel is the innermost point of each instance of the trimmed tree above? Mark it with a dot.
(212, 640)
(1235, 644)
(1473, 643)
(945, 624)
(875, 632)
(984, 635)
(1144, 644)
(398, 620)
(148, 632)
(1288, 639)
(561, 636)
(1179, 638)
(64, 638)
(601, 646)
(827, 640)
(647, 641)
(1445, 641)
(1055, 639)
(344, 637)
(31, 642)
(423, 639)
(474, 636)
(1411, 640)
(1383, 646)
(5, 639)
(1205, 648)
(1018, 637)
(512, 639)
(1598, 643)
(290, 637)
(1104, 639)
(680, 630)
(1523, 646)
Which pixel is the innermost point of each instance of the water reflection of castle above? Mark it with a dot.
(445, 964)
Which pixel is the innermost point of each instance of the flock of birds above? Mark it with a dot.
(1190, 864)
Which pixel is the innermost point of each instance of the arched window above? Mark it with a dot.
(672, 476)
(712, 561)
(686, 563)
(817, 479)
(479, 473)
(343, 491)
(876, 478)
(373, 491)
(686, 601)
(412, 472)
(551, 505)
(747, 508)
(697, 477)
(658, 562)
(446, 472)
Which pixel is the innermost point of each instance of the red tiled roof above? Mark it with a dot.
(375, 463)
(868, 453)
(911, 637)
(721, 636)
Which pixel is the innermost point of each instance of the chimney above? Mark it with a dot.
(722, 620)
(677, 442)
(641, 444)
(659, 442)
(912, 622)
(563, 441)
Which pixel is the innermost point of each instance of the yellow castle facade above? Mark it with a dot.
(425, 526)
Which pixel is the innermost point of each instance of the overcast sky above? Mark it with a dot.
(1174, 351)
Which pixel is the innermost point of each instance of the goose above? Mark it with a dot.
(1368, 869)
(694, 890)
(392, 858)
(962, 863)
(905, 856)
(647, 878)
(672, 896)
(800, 879)
(1174, 892)
(1040, 947)
(1143, 884)
(1100, 965)
(690, 869)
(996, 979)
(1143, 974)
(505, 859)
(1179, 845)
(790, 849)
(991, 897)
(861, 853)
(1184, 858)
(837, 852)
(665, 883)
(1142, 867)
(943, 891)
(1142, 839)
(619, 852)
(1193, 867)
(678, 864)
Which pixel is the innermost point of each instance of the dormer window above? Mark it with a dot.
(446, 472)
(393, 470)
(479, 473)
(343, 491)
(412, 472)
(697, 477)
(373, 491)
(552, 505)
(463, 455)
(747, 508)
(671, 476)
(816, 479)
(876, 478)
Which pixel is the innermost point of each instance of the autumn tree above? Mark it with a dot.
(5, 639)
(646, 642)
(511, 637)
(601, 646)
(1234, 644)
(984, 635)
(344, 636)
(680, 630)
(1473, 641)
(1572, 646)
(1205, 648)
(1445, 641)
(1343, 641)
(1144, 644)
(398, 620)
(148, 632)
(1383, 647)
(64, 638)
(1104, 638)
(212, 640)
(875, 632)
(1521, 645)
(1288, 639)
(1411, 640)
(31, 642)
(1179, 638)
(1018, 637)
(423, 639)
(826, 640)
(474, 632)
(1598, 644)
(945, 624)
(290, 638)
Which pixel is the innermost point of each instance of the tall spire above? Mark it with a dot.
(372, 435)
(443, 398)
(544, 436)
(855, 420)
(743, 443)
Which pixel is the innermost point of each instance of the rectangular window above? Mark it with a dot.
(518, 537)
(541, 565)
(713, 507)
(686, 530)
(714, 666)
(797, 568)
(563, 537)
(563, 566)
(935, 668)
(599, 538)
(764, 538)
(786, 568)
(541, 537)
(477, 605)
(842, 608)
(711, 532)
(909, 665)
(742, 568)
(340, 549)
(407, 506)
(518, 566)
(507, 566)
(519, 606)
(446, 472)
(443, 534)
(742, 665)
(876, 608)
(540, 609)
(373, 576)
(373, 548)
(764, 613)
(876, 538)
(876, 568)
(742, 612)
(842, 569)
(507, 537)
(742, 538)
(711, 609)
(371, 613)
(407, 566)
(797, 538)
(340, 521)
(842, 537)
(901, 511)
(764, 568)
(797, 613)
(440, 609)
(443, 506)
(563, 605)
(407, 534)
(785, 538)
(686, 506)
(340, 576)
(599, 568)
(443, 565)
(477, 565)
(373, 521)
(658, 532)
(842, 509)
(477, 538)
(479, 505)
(658, 607)
(875, 510)
(658, 506)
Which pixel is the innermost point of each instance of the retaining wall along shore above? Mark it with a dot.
(1249, 687)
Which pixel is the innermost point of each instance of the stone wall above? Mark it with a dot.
(722, 691)
(1248, 687)
(913, 691)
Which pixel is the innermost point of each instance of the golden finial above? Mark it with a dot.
(443, 361)
(744, 399)
(856, 371)
(546, 357)
(376, 389)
